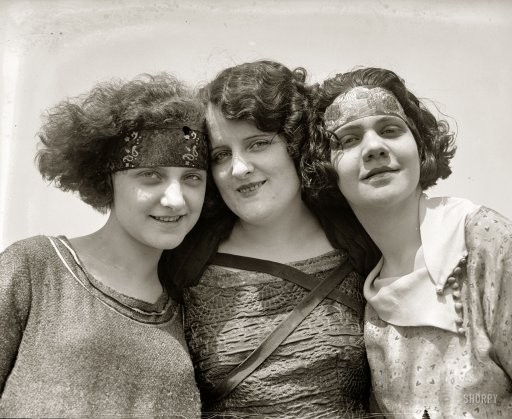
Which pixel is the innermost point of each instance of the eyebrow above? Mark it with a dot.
(250, 137)
(382, 120)
(390, 118)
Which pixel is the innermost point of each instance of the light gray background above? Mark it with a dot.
(454, 53)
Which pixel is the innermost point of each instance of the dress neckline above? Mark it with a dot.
(159, 311)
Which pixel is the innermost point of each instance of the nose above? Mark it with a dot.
(173, 196)
(241, 167)
(374, 146)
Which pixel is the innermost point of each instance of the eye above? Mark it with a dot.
(391, 130)
(150, 174)
(193, 178)
(220, 156)
(259, 144)
(348, 140)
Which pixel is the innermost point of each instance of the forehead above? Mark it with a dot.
(226, 131)
(169, 171)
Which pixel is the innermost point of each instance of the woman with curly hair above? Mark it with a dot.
(87, 328)
(274, 319)
(437, 322)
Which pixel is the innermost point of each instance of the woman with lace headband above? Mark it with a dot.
(87, 328)
(272, 289)
(439, 314)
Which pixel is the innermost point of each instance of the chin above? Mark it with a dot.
(171, 244)
(253, 214)
(166, 243)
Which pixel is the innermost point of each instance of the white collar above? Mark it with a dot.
(404, 301)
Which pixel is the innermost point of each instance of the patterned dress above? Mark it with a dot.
(462, 374)
(320, 370)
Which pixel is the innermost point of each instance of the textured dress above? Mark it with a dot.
(320, 370)
(72, 347)
(458, 364)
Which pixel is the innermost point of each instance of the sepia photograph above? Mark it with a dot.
(256, 209)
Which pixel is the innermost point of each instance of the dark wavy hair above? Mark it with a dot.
(79, 133)
(433, 137)
(268, 94)
(275, 99)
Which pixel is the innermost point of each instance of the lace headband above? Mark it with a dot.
(360, 102)
(168, 146)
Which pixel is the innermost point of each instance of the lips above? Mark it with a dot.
(167, 219)
(250, 187)
(379, 170)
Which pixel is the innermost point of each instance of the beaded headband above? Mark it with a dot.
(160, 147)
(359, 102)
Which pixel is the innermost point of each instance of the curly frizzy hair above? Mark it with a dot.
(435, 141)
(78, 134)
(270, 95)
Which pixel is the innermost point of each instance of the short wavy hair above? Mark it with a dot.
(270, 95)
(433, 137)
(78, 134)
(274, 98)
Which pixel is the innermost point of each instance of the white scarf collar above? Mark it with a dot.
(418, 299)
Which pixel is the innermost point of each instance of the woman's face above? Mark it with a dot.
(158, 206)
(377, 161)
(252, 169)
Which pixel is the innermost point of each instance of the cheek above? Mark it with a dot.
(195, 199)
(414, 159)
(220, 177)
(347, 168)
(342, 164)
(142, 195)
(130, 201)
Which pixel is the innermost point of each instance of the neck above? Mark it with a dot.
(117, 259)
(280, 239)
(396, 232)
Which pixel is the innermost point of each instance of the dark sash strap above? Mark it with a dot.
(285, 272)
(280, 333)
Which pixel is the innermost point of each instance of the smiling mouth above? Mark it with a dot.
(167, 219)
(381, 172)
(250, 187)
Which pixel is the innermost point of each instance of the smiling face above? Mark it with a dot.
(252, 169)
(377, 161)
(157, 206)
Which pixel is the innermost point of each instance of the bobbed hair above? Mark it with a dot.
(273, 98)
(433, 137)
(79, 133)
(270, 95)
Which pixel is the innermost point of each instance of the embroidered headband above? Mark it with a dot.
(167, 146)
(359, 102)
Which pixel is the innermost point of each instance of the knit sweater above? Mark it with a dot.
(71, 346)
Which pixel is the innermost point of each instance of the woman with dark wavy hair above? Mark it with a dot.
(87, 328)
(274, 319)
(437, 322)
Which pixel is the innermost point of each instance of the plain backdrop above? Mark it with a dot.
(456, 54)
